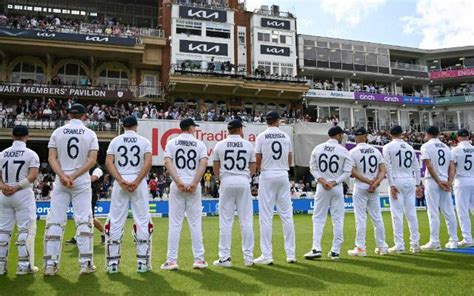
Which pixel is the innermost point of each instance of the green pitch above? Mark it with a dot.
(440, 273)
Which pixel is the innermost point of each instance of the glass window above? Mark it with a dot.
(322, 44)
(358, 48)
(347, 57)
(383, 61)
(334, 45)
(335, 56)
(307, 42)
(275, 38)
(359, 58)
(276, 69)
(72, 74)
(282, 39)
(309, 53)
(347, 46)
(27, 71)
(287, 69)
(113, 77)
(371, 59)
(323, 54)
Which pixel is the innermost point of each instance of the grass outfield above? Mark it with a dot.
(427, 273)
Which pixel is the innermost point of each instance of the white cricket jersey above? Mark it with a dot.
(186, 151)
(367, 160)
(463, 158)
(235, 154)
(73, 142)
(129, 151)
(439, 155)
(16, 161)
(274, 145)
(401, 161)
(331, 161)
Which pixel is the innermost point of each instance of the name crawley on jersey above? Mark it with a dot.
(75, 131)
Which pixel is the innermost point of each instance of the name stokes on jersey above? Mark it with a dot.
(235, 145)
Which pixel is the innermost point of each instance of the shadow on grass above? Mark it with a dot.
(432, 260)
(213, 281)
(87, 284)
(17, 285)
(144, 284)
(376, 264)
(338, 276)
(279, 276)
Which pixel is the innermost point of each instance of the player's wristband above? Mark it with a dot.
(25, 183)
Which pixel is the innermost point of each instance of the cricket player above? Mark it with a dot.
(129, 162)
(368, 171)
(73, 152)
(19, 168)
(186, 161)
(403, 174)
(330, 164)
(274, 154)
(463, 171)
(234, 163)
(96, 174)
(437, 158)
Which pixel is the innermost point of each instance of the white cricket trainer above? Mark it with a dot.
(223, 263)
(291, 260)
(415, 249)
(357, 252)
(381, 251)
(87, 268)
(200, 264)
(395, 250)
(263, 261)
(465, 243)
(431, 247)
(451, 245)
(169, 265)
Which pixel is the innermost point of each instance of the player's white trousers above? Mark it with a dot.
(334, 201)
(20, 208)
(436, 200)
(183, 204)
(274, 190)
(235, 195)
(405, 203)
(366, 202)
(119, 205)
(464, 196)
(80, 196)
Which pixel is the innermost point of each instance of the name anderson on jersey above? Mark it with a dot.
(275, 136)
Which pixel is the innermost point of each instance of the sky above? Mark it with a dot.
(427, 24)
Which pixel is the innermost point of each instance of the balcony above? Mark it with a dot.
(234, 83)
(405, 69)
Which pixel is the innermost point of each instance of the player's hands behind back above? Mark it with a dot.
(9, 190)
(66, 181)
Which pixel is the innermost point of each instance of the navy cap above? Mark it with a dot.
(20, 131)
(236, 123)
(77, 109)
(463, 133)
(272, 116)
(333, 131)
(186, 123)
(432, 130)
(396, 130)
(130, 121)
(361, 131)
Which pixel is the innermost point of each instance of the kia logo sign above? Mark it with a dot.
(97, 39)
(47, 35)
(276, 24)
(275, 50)
(209, 48)
(203, 14)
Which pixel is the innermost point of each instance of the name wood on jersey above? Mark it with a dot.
(129, 140)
